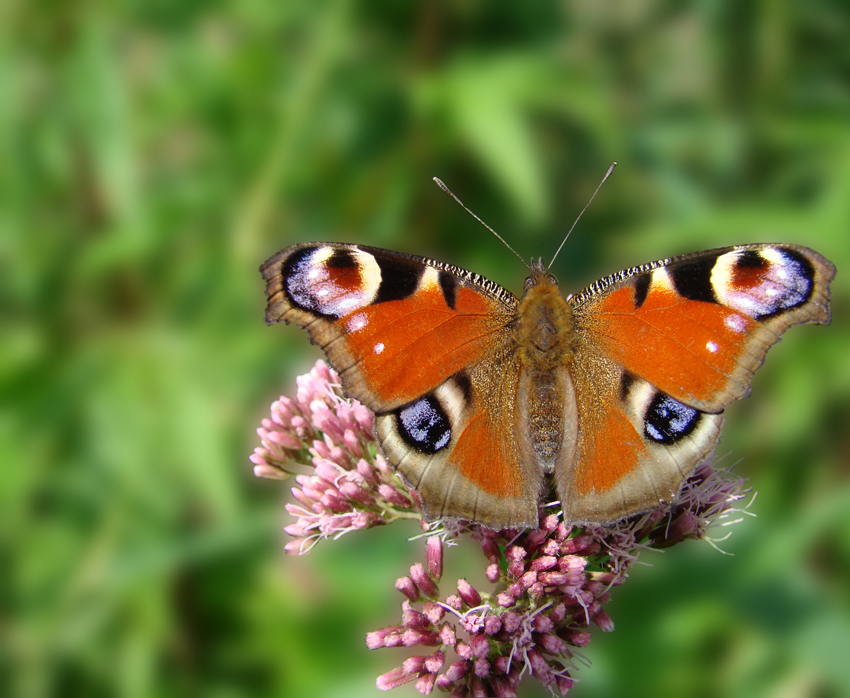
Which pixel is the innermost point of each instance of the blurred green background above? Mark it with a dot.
(154, 153)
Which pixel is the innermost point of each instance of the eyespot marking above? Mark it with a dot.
(424, 425)
(332, 282)
(668, 421)
(763, 283)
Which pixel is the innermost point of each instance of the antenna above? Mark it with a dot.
(450, 193)
(607, 175)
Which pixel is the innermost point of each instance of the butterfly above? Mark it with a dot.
(615, 393)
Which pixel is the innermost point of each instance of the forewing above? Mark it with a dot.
(394, 326)
(698, 326)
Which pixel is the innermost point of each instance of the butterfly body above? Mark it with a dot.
(616, 393)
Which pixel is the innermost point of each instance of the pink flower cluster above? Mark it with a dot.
(548, 584)
(351, 486)
(547, 601)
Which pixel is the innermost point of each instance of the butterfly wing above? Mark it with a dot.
(464, 446)
(698, 326)
(425, 345)
(663, 349)
(635, 445)
(394, 326)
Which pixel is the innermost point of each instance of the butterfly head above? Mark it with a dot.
(540, 275)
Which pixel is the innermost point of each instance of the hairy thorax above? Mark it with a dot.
(545, 336)
(545, 331)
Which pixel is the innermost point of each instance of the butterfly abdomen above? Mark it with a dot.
(544, 413)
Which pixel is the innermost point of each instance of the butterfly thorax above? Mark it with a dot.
(545, 331)
(546, 340)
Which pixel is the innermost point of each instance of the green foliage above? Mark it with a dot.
(155, 153)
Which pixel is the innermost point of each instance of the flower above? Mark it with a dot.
(351, 485)
(548, 584)
(547, 602)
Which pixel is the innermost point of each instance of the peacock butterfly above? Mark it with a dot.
(617, 392)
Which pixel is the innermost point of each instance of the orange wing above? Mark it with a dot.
(636, 444)
(424, 345)
(394, 326)
(663, 348)
(698, 326)
(464, 449)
